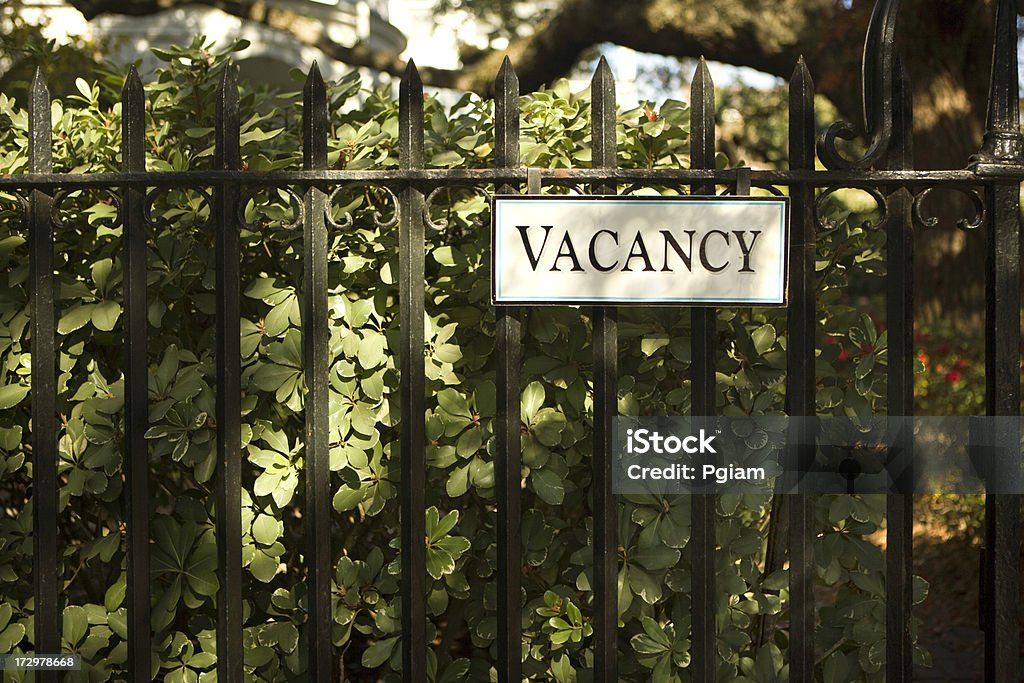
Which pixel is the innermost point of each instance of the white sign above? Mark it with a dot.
(692, 250)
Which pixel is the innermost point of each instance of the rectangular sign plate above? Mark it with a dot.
(697, 251)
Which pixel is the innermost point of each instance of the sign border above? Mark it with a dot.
(688, 198)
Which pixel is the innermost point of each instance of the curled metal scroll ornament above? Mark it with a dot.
(878, 70)
(22, 210)
(562, 186)
(768, 187)
(61, 197)
(966, 224)
(347, 221)
(258, 222)
(825, 225)
(677, 189)
(162, 220)
(443, 224)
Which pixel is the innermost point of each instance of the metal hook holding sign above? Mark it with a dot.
(877, 87)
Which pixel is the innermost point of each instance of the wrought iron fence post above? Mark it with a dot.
(508, 439)
(900, 382)
(45, 495)
(227, 156)
(704, 346)
(412, 382)
(606, 407)
(315, 345)
(1001, 155)
(136, 390)
(798, 509)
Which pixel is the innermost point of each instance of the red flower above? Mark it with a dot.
(952, 376)
(960, 364)
(943, 349)
(843, 354)
(830, 340)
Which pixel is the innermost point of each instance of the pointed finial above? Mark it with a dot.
(411, 74)
(132, 83)
(506, 116)
(506, 77)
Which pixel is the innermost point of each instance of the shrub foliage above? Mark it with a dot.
(654, 576)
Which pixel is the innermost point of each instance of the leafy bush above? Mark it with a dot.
(654, 359)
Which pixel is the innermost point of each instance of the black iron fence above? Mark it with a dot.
(886, 172)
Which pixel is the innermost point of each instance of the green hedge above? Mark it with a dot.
(654, 357)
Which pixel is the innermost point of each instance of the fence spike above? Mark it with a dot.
(227, 152)
(602, 88)
(702, 118)
(40, 125)
(133, 121)
(410, 118)
(314, 120)
(801, 117)
(506, 116)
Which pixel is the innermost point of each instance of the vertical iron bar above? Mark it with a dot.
(315, 344)
(412, 382)
(1002, 517)
(702, 369)
(800, 380)
(606, 379)
(1003, 145)
(508, 456)
(45, 498)
(136, 391)
(227, 156)
(899, 298)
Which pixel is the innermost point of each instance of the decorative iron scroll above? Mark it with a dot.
(10, 196)
(877, 85)
(442, 223)
(378, 218)
(875, 194)
(249, 195)
(980, 214)
(162, 221)
(61, 196)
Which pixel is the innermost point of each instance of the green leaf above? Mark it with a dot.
(379, 652)
(656, 557)
(266, 529)
(439, 562)
(763, 338)
(105, 315)
(458, 482)
(11, 395)
(263, 566)
(75, 624)
(548, 486)
(438, 528)
(453, 403)
(74, 318)
(532, 400)
(549, 426)
(650, 345)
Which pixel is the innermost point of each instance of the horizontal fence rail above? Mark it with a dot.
(991, 185)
